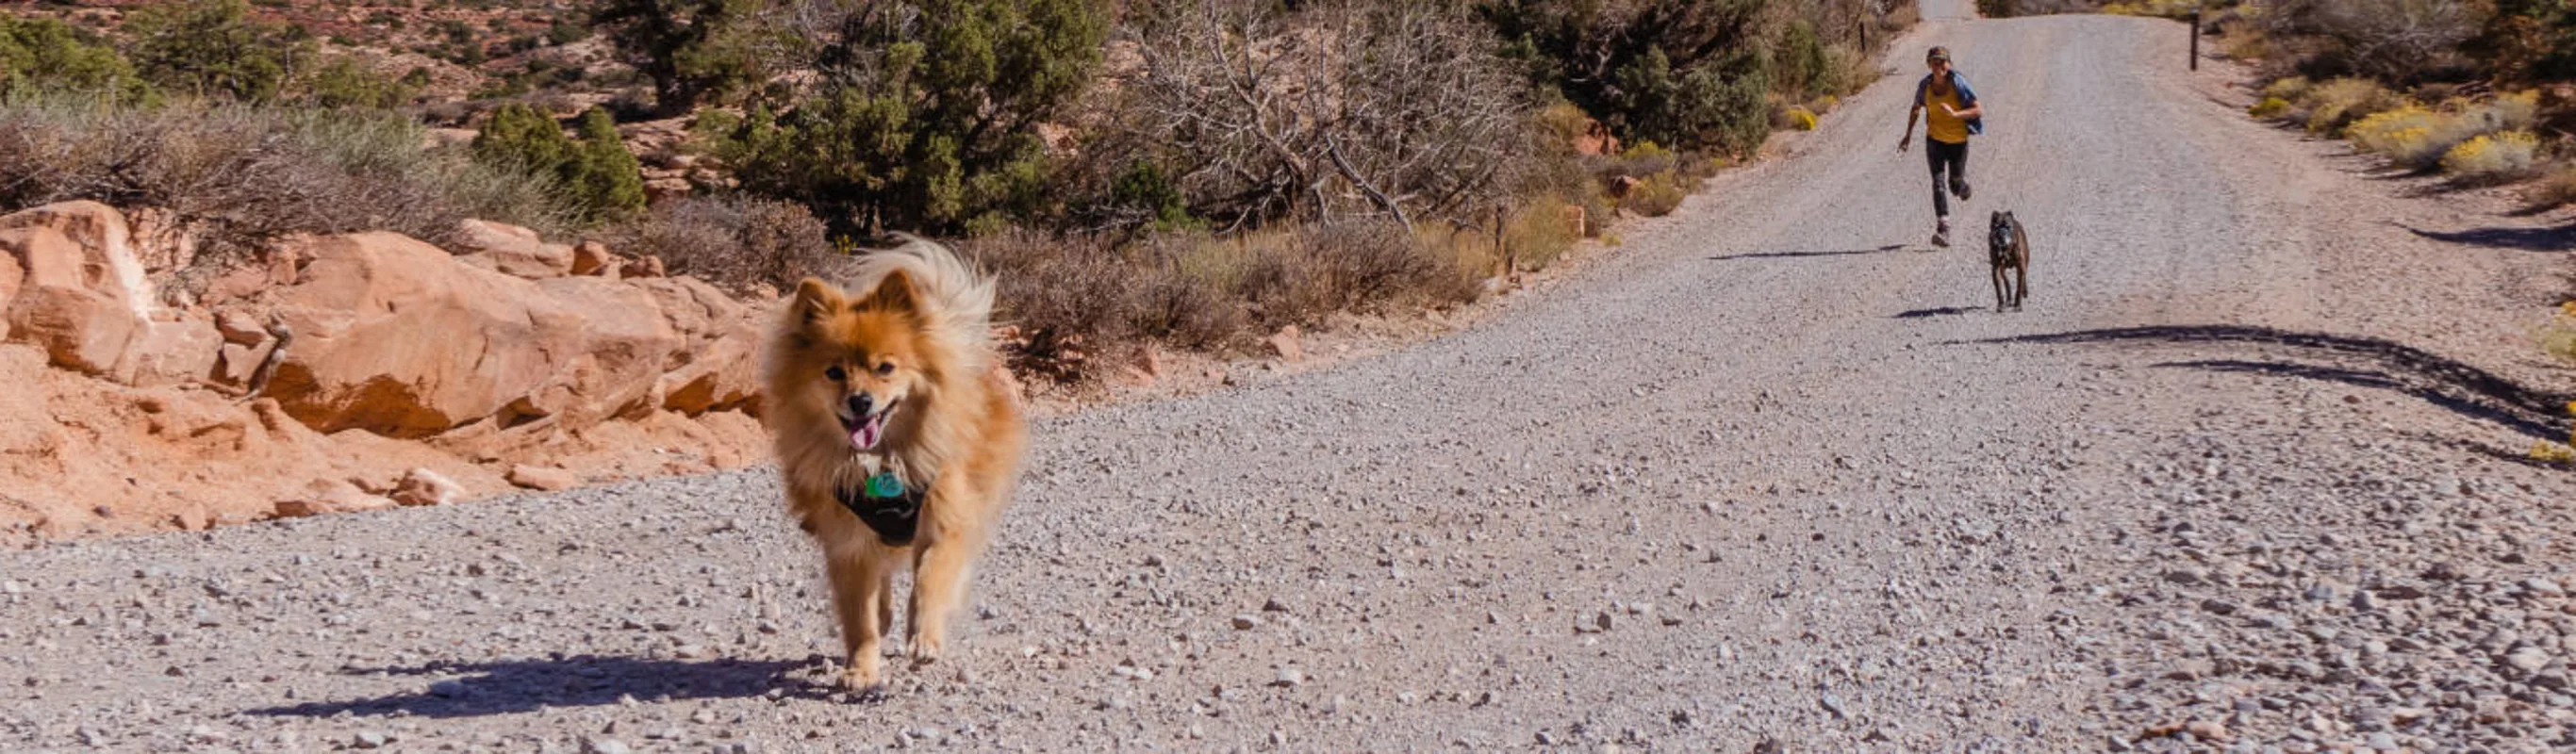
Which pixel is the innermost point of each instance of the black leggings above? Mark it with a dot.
(1954, 159)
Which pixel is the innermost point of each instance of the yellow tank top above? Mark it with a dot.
(1939, 124)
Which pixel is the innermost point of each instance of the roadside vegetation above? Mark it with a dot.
(1194, 174)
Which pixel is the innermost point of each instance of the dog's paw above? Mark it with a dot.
(862, 678)
(926, 650)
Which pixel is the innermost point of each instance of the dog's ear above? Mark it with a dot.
(817, 300)
(893, 294)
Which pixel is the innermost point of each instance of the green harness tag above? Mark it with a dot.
(884, 485)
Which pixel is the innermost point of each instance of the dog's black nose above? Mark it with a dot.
(861, 403)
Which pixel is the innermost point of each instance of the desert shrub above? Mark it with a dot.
(1658, 194)
(244, 174)
(603, 179)
(1396, 109)
(1298, 277)
(344, 82)
(926, 121)
(1541, 231)
(2292, 88)
(2335, 104)
(598, 175)
(2493, 158)
(2269, 108)
(738, 243)
(2416, 137)
(1805, 66)
(1688, 74)
(697, 50)
(2530, 40)
(2557, 187)
(2410, 136)
(1143, 196)
(2401, 41)
(44, 54)
(1801, 118)
(214, 48)
(1069, 295)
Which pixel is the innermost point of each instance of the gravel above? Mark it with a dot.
(1788, 491)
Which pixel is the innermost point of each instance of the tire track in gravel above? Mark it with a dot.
(1769, 474)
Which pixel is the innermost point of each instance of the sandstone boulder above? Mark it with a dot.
(622, 343)
(67, 302)
(724, 375)
(394, 336)
(514, 250)
(107, 262)
(592, 258)
(172, 353)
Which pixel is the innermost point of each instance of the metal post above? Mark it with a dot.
(2195, 37)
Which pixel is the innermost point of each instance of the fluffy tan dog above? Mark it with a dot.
(898, 439)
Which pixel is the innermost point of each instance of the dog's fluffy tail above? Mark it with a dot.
(959, 299)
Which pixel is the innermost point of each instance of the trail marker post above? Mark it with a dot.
(2195, 37)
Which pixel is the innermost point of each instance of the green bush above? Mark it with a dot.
(345, 82)
(2269, 108)
(927, 123)
(2531, 40)
(604, 178)
(1689, 74)
(1141, 194)
(213, 48)
(1805, 68)
(696, 50)
(44, 54)
(598, 175)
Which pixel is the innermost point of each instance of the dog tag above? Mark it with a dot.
(885, 485)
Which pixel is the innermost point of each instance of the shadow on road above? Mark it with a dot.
(1944, 311)
(2363, 362)
(502, 688)
(1797, 254)
(2558, 239)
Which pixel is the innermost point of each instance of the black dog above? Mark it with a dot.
(2008, 249)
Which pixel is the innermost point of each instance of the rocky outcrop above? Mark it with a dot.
(396, 337)
(73, 286)
(333, 357)
(512, 249)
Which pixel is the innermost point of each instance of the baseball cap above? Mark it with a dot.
(1941, 54)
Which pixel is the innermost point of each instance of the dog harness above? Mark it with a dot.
(886, 506)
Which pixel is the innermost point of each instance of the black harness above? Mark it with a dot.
(885, 505)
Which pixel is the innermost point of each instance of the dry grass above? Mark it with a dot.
(1071, 296)
(739, 244)
(239, 175)
(2269, 108)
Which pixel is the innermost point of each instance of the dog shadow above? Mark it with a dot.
(2446, 383)
(520, 686)
(1807, 254)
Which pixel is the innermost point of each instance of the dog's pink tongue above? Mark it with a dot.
(866, 435)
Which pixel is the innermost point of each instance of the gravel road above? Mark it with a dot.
(2243, 475)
